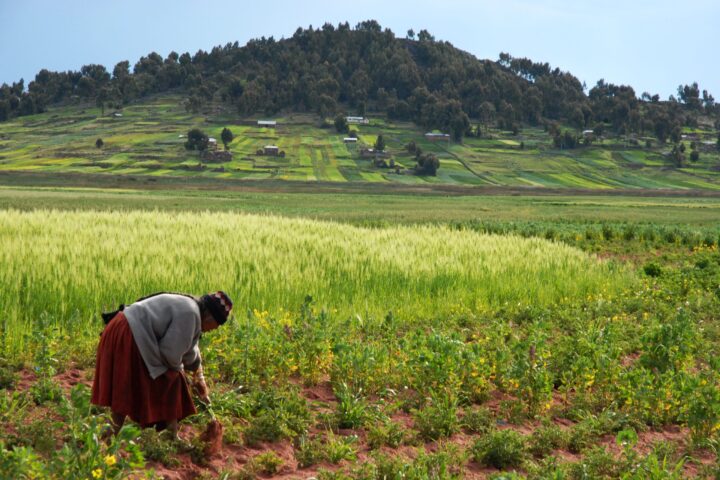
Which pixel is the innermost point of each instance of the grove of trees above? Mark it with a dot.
(334, 69)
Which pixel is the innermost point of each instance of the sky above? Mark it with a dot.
(653, 46)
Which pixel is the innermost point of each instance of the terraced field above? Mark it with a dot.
(146, 139)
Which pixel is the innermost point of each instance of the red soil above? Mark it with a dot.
(223, 457)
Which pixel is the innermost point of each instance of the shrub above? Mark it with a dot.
(581, 436)
(500, 449)
(267, 462)
(309, 452)
(546, 439)
(277, 414)
(598, 463)
(478, 421)
(439, 418)
(446, 463)
(652, 269)
(387, 433)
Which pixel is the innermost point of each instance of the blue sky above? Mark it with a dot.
(651, 45)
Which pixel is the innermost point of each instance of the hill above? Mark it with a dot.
(512, 122)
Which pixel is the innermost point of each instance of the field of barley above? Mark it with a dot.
(71, 265)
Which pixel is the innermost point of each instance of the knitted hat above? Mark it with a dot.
(219, 305)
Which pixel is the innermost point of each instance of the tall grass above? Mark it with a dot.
(69, 266)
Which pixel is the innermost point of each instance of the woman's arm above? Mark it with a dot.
(199, 386)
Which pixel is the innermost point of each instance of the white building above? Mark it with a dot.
(434, 137)
(357, 120)
(271, 150)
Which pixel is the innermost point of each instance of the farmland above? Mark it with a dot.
(528, 312)
(147, 139)
(375, 336)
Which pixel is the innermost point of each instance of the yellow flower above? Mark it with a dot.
(97, 473)
(110, 460)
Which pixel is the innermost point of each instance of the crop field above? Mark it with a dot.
(374, 336)
(147, 139)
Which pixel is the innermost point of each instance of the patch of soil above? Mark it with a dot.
(223, 458)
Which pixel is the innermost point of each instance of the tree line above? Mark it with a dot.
(337, 69)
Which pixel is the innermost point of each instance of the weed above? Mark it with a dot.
(545, 439)
(268, 462)
(309, 452)
(387, 433)
(352, 408)
(439, 418)
(500, 449)
(340, 448)
(478, 420)
(156, 448)
(8, 377)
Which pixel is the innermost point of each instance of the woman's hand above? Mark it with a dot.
(201, 390)
(199, 386)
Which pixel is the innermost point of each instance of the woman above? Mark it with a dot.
(143, 353)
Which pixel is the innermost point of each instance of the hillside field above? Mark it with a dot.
(145, 140)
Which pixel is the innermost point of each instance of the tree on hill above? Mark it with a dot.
(341, 124)
(99, 143)
(226, 136)
(196, 140)
(379, 144)
(427, 164)
(677, 156)
(566, 140)
(690, 95)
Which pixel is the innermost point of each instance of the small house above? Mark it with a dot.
(212, 144)
(350, 140)
(117, 114)
(267, 123)
(372, 153)
(272, 150)
(357, 120)
(588, 133)
(437, 137)
(367, 152)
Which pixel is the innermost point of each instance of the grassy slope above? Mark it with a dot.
(145, 140)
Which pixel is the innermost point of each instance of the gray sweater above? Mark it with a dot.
(166, 329)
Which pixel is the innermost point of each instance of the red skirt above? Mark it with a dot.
(123, 383)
